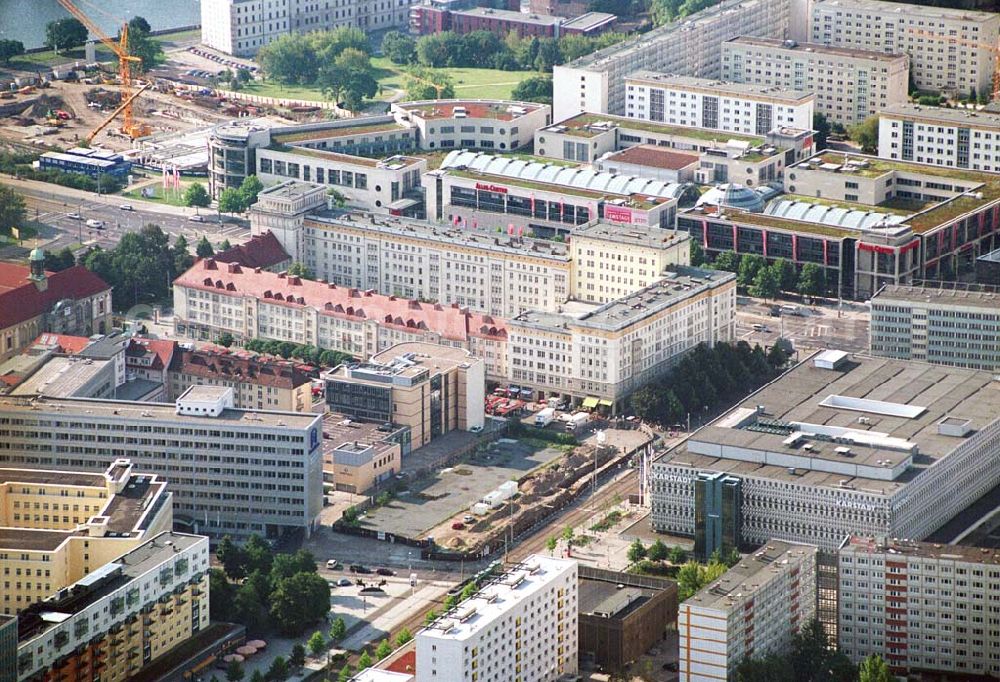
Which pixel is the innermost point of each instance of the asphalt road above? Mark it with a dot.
(815, 327)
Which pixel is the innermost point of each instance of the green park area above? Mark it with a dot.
(469, 83)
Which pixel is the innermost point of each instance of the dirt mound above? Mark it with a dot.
(48, 103)
(108, 99)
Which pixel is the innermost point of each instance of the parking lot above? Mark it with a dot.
(453, 489)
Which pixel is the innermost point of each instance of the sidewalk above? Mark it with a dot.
(381, 623)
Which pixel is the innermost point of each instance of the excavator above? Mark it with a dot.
(130, 126)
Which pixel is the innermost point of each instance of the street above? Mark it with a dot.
(809, 328)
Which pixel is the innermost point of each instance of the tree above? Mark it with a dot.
(468, 591)
(812, 280)
(196, 196)
(399, 48)
(338, 629)
(728, 261)
(182, 258)
(10, 48)
(63, 34)
(231, 201)
(249, 189)
(204, 248)
(279, 669)
(766, 669)
(364, 660)
(142, 45)
(297, 658)
(257, 676)
(243, 75)
(235, 671)
(345, 673)
(636, 551)
(697, 254)
(420, 88)
(289, 59)
(329, 44)
(776, 356)
(551, 543)
(767, 283)
(286, 565)
(788, 276)
(874, 669)
(259, 555)
(225, 340)
(57, 262)
(383, 650)
(812, 660)
(223, 591)
(225, 245)
(297, 269)
(677, 555)
(534, 89)
(750, 265)
(138, 23)
(733, 557)
(12, 208)
(350, 79)
(866, 134)
(299, 601)
(822, 127)
(548, 54)
(436, 49)
(658, 551)
(567, 535)
(403, 637)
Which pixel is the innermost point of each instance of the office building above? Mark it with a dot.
(849, 84)
(74, 301)
(939, 136)
(690, 47)
(954, 327)
(241, 27)
(231, 471)
(495, 125)
(521, 626)
(113, 622)
(623, 615)
(866, 221)
(8, 647)
(358, 456)
(988, 269)
(950, 50)
(927, 609)
(744, 108)
(752, 611)
(93, 162)
(427, 19)
(56, 527)
(67, 377)
(840, 444)
(431, 389)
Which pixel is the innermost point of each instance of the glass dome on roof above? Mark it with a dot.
(733, 196)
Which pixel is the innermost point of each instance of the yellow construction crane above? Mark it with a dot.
(125, 62)
(994, 49)
(126, 104)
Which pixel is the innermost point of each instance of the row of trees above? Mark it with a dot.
(706, 377)
(310, 354)
(231, 200)
(337, 61)
(755, 275)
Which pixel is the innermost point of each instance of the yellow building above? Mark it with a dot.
(56, 527)
(358, 456)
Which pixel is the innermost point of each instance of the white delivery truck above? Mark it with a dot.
(576, 421)
(544, 417)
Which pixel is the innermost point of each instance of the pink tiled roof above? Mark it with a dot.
(21, 300)
(262, 251)
(162, 349)
(70, 345)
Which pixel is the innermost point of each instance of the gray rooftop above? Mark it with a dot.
(633, 235)
(510, 15)
(718, 87)
(905, 11)
(814, 48)
(62, 377)
(290, 189)
(934, 298)
(953, 117)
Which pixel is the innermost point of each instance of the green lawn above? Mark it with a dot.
(469, 83)
(170, 197)
(50, 58)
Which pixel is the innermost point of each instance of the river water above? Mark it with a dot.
(25, 20)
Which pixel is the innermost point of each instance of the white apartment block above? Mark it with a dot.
(241, 27)
(752, 611)
(925, 608)
(596, 82)
(715, 105)
(849, 84)
(953, 138)
(951, 50)
(498, 125)
(521, 626)
(231, 471)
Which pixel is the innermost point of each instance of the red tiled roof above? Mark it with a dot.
(163, 351)
(405, 663)
(655, 157)
(262, 251)
(450, 321)
(253, 370)
(70, 345)
(21, 300)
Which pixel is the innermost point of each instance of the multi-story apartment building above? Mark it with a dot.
(520, 626)
(231, 471)
(258, 382)
(849, 84)
(241, 27)
(747, 108)
(925, 608)
(611, 262)
(74, 301)
(112, 623)
(690, 47)
(942, 326)
(866, 221)
(953, 138)
(950, 50)
(429, 388)
(839, 444)
(58, 526)
(752, 611)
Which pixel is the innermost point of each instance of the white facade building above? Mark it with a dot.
(925, 608)
(519, 627)
(241, 27)
(951, 50)
(954, 138)
(752, 611)
(596, 82)
(849, 84)
(715, 105)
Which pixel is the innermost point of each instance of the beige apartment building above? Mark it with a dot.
(258, 383)
(850, 84)
(58, 526)
(951, 50)
(611, 262)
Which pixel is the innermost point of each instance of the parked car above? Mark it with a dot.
(331, 564)
(344, 582)
(96, 224)
(469, 518)
(458, 525)
(196, 218)
(126, 207)
(381, 570)
(358, 568)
